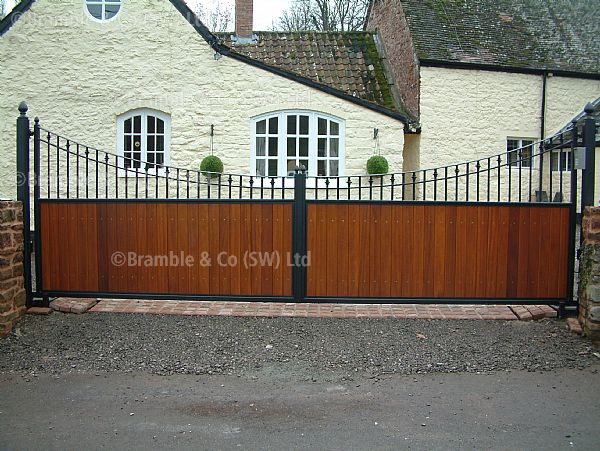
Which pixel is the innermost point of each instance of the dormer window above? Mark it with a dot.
(103, 10)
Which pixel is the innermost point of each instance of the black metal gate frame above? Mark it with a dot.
(32, 240)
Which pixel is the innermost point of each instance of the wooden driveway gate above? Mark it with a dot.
(496, 230)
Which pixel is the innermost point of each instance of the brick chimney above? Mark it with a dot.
(244, 18)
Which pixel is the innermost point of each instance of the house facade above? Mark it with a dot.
(147, 80)
(481, 76)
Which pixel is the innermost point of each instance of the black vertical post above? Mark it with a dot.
(589, 173)
(300, 236)
(37, 149)
(23, 135)
(573, 223)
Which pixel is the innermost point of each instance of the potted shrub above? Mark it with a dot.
(377, 165)
(211, 165)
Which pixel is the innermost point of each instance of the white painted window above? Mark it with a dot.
(144, 140)
(103, 10)
(284, 140)
(519, 152)
(560, 161)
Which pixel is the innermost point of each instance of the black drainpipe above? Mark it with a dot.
(543, 117)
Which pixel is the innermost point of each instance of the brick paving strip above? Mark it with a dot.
(274, 309)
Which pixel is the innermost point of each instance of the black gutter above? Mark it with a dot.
(14, 15)
(195, 22)
(426, 62)
(543, 116)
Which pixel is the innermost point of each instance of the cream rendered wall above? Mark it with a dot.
(468, 114)
(566, 98)
(78, 75)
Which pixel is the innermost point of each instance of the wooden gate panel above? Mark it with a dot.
(444, 251)
(80, 241)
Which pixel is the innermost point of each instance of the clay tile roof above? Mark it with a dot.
(346, 61)
(534, 34)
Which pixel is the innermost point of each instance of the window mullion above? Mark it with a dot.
(312, 145)
(144, 140)
(281, 146)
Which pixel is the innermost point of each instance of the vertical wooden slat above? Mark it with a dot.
(514, 252)
(266, 249)
(460, 289)
(418, 254)
(364, 254)
(441, 260)
(470, 274)
(385, 251)
(501, 245)
(222, 257)
(406, 239)
(195, 251)
(182, 250)
(450, 263)
(354, 258)
(287, 282)
(234, 247)
(482, 259)
(374, 254)
(214, 244)
(162, 245)
(204, 239)
(332, 248)
(112, 246)
(342, 256)
(256, 243)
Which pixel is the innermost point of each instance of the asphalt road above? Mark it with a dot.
(273, 409)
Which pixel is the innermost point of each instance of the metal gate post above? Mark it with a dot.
(37, 215)
(589, 173)
(23, 192)
(299, 236)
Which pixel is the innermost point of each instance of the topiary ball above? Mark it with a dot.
(211, 164)
(377, 165)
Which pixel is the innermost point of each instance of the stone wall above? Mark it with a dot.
(389, 20)
(12, 291)
(589, 275)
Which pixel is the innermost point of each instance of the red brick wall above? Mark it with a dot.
(12, 291)
(244, 17)
(589, 274)
(388, 19)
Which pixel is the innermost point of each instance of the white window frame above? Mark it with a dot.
(518, 164)
(144, 113)
(102, 3)
(312, 142)
(568, 160)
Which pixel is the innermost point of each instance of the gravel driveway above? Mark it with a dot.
(325, 349)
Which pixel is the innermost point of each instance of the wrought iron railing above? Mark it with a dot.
(539, 172)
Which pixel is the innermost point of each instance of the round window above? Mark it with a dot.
(103, 10)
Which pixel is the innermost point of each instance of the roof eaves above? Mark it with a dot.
(431, 62)
(12, 17)
(226, 51)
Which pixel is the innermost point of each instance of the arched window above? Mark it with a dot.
(144, 139)
(103, 10)
(284, 140)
